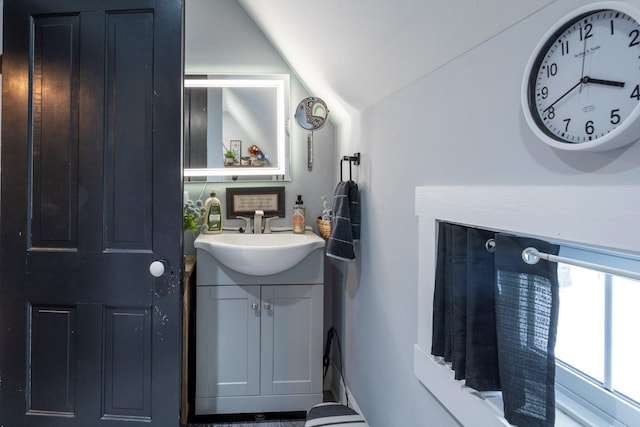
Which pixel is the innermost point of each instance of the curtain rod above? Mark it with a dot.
(532, 256)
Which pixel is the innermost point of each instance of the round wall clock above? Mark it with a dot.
(581, 86)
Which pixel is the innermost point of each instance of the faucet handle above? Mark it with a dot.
(267, 223)
(247, 228)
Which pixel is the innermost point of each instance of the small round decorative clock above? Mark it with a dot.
(581, 87)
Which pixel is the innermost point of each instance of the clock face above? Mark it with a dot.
(582, 85)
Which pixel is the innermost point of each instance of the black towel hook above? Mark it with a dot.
(353, 160)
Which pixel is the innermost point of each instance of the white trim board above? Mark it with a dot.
(607, 217)
(337, 387)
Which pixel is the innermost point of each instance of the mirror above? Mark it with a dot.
(235, 127)
(311, 114)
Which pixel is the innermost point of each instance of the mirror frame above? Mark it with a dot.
(281, 83)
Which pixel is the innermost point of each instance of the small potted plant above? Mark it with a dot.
(192, 214)
(229, 158)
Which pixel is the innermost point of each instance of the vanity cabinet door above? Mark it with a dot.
(228, 342)
(258, 348)
(291, 339)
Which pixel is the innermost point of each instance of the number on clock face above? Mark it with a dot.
(586, 80)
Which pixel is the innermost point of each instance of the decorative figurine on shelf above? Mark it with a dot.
(253, 150)
(256, 156)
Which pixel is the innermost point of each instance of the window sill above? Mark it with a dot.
(467, 405)
(471, 407)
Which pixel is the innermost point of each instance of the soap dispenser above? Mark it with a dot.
(299, 216)
(213, 215)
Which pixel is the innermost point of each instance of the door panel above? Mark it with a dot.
(55, 139)
(127, 362)
(129, 102)
(52, 346)
(91, 195)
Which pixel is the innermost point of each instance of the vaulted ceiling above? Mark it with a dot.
(358, 52)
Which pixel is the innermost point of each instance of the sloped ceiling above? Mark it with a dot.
(358, 52)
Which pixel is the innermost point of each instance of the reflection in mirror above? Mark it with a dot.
(235, 127)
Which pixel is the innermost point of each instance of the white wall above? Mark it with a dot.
(462, 125)
(221, 39)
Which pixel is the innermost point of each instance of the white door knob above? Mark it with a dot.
(156, 268)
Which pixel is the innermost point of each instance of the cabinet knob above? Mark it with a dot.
(267, 306)
(254, 306)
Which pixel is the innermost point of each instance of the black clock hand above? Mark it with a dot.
(584, 55)
(587, 79)
(582, 80)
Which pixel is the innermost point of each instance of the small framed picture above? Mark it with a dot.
(235, 145)
(245, 201)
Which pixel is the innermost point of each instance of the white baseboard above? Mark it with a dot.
(336, 386)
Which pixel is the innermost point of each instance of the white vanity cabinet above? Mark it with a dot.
(258, 338)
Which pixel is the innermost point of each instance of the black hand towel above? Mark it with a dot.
(345, 224)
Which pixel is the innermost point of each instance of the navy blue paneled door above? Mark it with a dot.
(90, 196)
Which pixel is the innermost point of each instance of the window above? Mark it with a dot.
(597, 346)
(572, 213)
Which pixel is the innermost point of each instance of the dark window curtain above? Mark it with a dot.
(527, 321)
(495, 319)
(482, 350)
(464, 323)
(451, 315)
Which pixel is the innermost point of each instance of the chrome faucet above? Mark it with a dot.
(257, 221)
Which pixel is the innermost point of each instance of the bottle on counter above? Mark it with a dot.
(299, 216)
(212, 215)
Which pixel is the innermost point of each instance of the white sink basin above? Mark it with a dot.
(259, 254)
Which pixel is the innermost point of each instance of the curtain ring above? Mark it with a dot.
(529, 256)
(490, 245)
